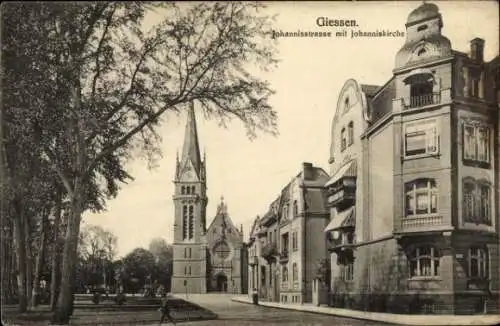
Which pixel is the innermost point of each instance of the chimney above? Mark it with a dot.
(307, 171)
(476, 49)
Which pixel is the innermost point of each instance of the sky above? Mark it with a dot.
(250, 174)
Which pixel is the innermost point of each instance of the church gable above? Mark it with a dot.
(223, 230)
(188, 172)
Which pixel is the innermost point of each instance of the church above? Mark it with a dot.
(209, 259)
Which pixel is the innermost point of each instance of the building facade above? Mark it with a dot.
(283, 253)
(414, 193)
(212, 259)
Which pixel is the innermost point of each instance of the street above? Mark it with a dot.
(235, 313)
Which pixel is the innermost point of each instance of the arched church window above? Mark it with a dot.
(188, 190)
(183, 190)
(184, 222)
(222, 250)
(193, 188)
(191, 221)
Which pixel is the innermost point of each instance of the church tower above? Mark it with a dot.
(190, 201)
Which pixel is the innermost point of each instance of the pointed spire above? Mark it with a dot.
(191, 148)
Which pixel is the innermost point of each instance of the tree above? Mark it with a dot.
(109, 83)
(163, 254)
(138, 267)
(97, 249)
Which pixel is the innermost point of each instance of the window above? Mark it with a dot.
(421, 28)
(348, 272)
(284, 274)
(424, 261)
(343, 139)
(189, 270)
(346, 103)
(188, 190)
(350, 134)
(476, 201)
(421, 138)
(184, 222)
(183, 190)
(222, 250)
(421, 197)
(189, 252)
(476, 140)
(421, 51)
(193, 188)
(478, 263)
(474, 87)
(295, 209)
(294, 241)
(191, 221)
(295, 272)
(421, 92)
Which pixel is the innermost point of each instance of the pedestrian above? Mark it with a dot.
(165, 310)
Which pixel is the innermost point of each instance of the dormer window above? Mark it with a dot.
(421, 28)
(350, 133)
(343, 139)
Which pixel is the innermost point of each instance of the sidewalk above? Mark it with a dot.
(428, 320)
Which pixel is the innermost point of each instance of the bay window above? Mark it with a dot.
(421, 197)
(476, 201)
(476, 140)
(424, 262)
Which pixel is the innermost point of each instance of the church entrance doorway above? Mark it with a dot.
(221, 283)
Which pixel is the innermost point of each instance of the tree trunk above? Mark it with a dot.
(54, 279)
(39, 261)
(29, 259)
(69, 260)
(19, 242)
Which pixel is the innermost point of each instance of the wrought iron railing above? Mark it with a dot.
(425, 99)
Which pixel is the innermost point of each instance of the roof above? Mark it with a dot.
(344, 219)
(222, 218)
(191, 147)
(369, 90)
(347, 170)
(423, 12)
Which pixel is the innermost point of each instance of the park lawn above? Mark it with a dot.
(133, 312)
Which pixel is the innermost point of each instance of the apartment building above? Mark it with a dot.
(414, 195)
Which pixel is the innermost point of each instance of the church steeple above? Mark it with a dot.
(191, 148)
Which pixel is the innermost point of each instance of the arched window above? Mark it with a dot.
(184, 222)
(188, 190)
(421, 197)
(424, 261)
(193, 190)
(284, 274)
(295, 209)
(343, 139)
(295, 272)
(183, 190)
(346, 103)
(478, 262)
(222, 250)
(350, 133)
(191, 221)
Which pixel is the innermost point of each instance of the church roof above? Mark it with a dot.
(423, 12)
(191, 147)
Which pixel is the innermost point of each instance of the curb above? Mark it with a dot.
(420, 320)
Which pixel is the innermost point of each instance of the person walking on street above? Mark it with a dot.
(165, 310)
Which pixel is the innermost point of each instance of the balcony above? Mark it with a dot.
(284, 256)
(422, 223)
(253, 260)
(424, 100)
(269, 252)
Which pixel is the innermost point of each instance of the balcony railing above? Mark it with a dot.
(284, 256)
(423, 100)
(269, 251)
(253, 260)
(420, 223)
